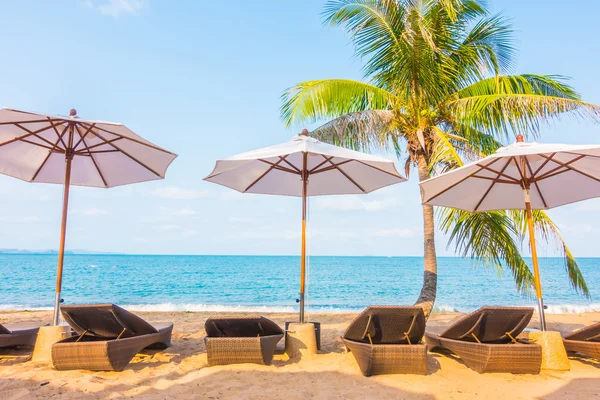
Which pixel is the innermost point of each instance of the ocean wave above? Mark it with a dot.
(196, 307)
(572, 308)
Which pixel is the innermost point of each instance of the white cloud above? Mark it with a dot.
(184, 212)
(232, 195)
(241, 220)
(177, 193)
(116, 8)
(355, 203)
(154, 219)
(393, 232)
(91, 212)
(267, 234)
(31, 218)
(167, 228)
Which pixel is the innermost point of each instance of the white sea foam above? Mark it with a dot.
(572, 308)
(194, 307)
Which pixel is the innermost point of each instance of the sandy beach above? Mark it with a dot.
(181, 371)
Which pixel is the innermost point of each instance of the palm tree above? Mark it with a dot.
(438, 92)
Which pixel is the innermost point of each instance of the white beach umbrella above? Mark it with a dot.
(73, 151)
(520, 176)
(304, 167)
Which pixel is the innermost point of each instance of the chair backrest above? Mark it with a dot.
(105, 320)
(490, 325)
(4, 330)
(590, 333)
(241, 327)
(388, 325)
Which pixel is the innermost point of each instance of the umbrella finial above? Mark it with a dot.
(73, 112)
(304, 132)
(520, 138)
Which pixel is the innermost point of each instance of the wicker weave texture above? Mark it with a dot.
(18, 337)
(105, 355)
(591, 349)
(108, 338)
(495, 327)
(385, 340)
(241, 340)
(389, 358)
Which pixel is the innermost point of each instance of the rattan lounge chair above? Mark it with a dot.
(241, 340)
(486, 340)
(107, 338)
(585, 341)
(388, 340)
(20, 334)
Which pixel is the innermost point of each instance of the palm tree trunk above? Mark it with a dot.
(428, 291)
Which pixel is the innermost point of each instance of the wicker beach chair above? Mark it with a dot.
(486, 340)
(20, 334)
(241, 340)
(585, 341)
(388, 340)
(107, 338)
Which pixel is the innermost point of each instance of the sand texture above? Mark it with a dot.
(181, 371)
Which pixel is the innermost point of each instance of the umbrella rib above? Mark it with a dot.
(319, 165)
(81, 137)
(54, 145)
(290, 164)
(489, 178)
(92, 157)
(567, 165)
(501, 174)
(278, 167)
(129, 155)
(36, 121)
(535, 183)
(58, 134)
(460, 181)
(29, 133)
(49, 154)
(492, 185)
(101, 144)
(579, 154)
(329, 168)
(346, 175)
(548, 173)
(128, 138)
(378, 169)
(81, 153)
(543, 165)
(38, 144)
(271, 168)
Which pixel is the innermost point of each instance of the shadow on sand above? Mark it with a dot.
(221, 384)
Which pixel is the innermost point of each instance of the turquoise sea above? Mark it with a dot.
(270, 283)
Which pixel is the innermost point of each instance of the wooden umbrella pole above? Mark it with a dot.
(63, 229)
(534, 258)
(303, 250)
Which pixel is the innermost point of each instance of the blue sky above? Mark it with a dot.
(203, 79)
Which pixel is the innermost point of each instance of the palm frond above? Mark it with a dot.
(444, 155)
(548, 231)
(362, 131)
(522, 103)
(330, 98)
(488, 239)
(486, 49)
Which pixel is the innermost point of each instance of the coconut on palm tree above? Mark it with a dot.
(438, 91)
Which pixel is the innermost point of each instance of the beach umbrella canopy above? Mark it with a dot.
(304, 167)
(73, 151)
(522, 176)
